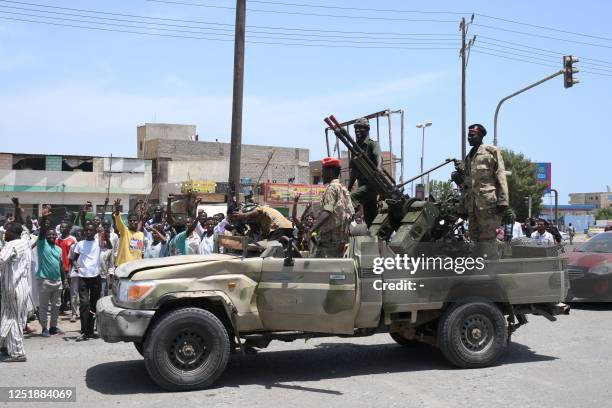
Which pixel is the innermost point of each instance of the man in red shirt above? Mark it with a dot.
(65, 241)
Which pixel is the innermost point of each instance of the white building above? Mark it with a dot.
(67, 182)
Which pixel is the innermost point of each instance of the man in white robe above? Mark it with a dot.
(15, 264)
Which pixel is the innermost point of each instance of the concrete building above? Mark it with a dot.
(178, 156)
(569, 209)
(67, 182)
(599, 200)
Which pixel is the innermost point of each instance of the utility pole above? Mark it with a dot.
(236, 141)
(465, 55)
(463, 27)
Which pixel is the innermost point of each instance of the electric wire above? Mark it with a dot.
(321, 6)
(542, 27)
(297, 13)
(555, 55)
(223, 34)
(536, 58)
(542, 36)
(223, 24)
(535, 63)
(223, 39)
(229, 31)
(541, 49)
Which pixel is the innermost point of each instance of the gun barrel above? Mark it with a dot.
(427, 172)
(383, 181)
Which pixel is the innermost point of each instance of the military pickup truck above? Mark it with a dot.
(186, 314)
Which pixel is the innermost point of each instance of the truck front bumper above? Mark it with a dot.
(119, 324)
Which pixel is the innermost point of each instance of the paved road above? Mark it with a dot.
(562, 364)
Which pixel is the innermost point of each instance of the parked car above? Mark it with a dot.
(590, 270)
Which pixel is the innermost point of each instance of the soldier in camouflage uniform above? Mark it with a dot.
(485, 188)
(330, 231)
(366, 194)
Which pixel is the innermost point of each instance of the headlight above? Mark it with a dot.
(134, 291)
(602, 269)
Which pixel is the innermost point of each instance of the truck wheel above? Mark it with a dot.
(139, 347)
(187, 349)
(404, 342)
(473, 334)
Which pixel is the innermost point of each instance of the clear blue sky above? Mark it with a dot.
(76, 91)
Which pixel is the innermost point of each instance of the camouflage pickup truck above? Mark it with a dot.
(186, 314)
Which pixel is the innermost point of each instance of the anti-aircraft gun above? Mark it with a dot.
(403, 222)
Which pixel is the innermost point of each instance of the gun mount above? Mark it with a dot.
(402, 221)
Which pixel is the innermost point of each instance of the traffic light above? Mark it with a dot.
(569, 71)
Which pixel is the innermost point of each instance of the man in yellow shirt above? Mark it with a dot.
(131, 241)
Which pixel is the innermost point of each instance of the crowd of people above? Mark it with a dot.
(49, 270)
(540, 231)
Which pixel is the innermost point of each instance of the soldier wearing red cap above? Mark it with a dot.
(485, 187)
(331, 228)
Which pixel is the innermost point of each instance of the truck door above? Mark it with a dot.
(314, 295)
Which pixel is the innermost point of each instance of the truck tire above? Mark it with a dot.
(187, 349)
(404, 342)
(473, 334)
(139, 347)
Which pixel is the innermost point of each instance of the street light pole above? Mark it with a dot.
(518, 93)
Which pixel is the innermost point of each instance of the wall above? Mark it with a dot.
(74, 182)
(209, 170)
(200, 156)
(164, 131)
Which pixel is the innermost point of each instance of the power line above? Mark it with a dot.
(536, 58)
(224, 34)
(222, 39)
(320, 6)
(223, 24)
(535, 63)
(298, 13)
(542, 49)
(229, 31)
(544, 27)
(540, 36)
(554, 54)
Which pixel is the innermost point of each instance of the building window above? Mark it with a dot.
(29, 162)
(140, 146)
(77, 164)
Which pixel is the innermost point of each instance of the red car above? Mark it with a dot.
(590, 270)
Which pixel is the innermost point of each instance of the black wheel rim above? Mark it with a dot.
(476, 332)
(188, 349)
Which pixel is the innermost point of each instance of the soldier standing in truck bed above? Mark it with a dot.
(485, 187)
(366, 194)
(331, 229)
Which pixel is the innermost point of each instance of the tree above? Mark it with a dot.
(440, 189)
(522, 183)
(604, 214)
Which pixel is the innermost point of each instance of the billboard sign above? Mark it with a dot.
(282, 193)
(543, 175)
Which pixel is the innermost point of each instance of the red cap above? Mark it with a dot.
(330, 162)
